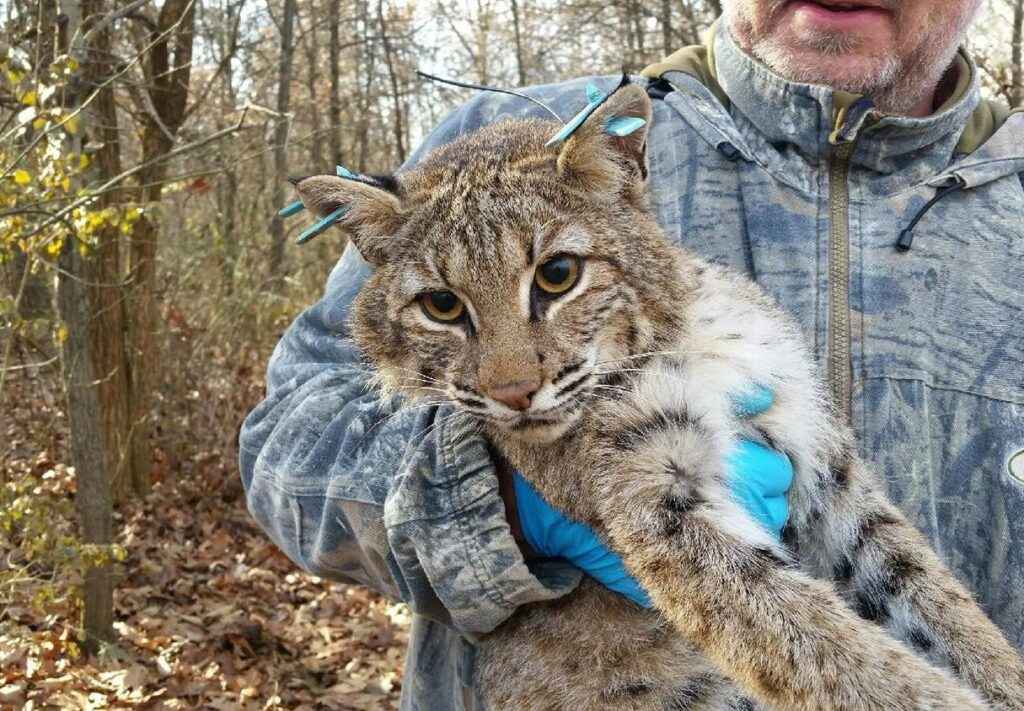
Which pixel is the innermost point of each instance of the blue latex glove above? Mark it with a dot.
(759, 479)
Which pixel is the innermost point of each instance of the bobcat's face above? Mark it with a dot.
(518, 322)
(512, 279)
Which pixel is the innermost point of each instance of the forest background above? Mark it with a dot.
(145, 278)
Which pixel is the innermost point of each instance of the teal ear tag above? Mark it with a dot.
(289, 210)
(623, 125)
(343, 172)
(321, 225)
(596, 98)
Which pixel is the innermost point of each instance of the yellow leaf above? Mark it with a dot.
(65, 183)
(39, 123)
(83, 161)
(72, 650)
(21, 177)
(29, 97)
(62, 334)
(71, 125)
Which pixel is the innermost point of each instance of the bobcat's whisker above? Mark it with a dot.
(377, 375)
(649, 354)
(614, 371)
(617, 388)
(418, 374)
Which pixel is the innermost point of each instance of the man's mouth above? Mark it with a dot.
(846, 5)
(840, 14)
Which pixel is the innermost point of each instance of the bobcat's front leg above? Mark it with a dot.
(890, 575)
(787, 639)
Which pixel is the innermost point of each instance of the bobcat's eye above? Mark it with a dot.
(443, 306)
(558, 274)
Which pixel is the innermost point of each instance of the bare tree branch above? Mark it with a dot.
(113, 17)
(117, 179)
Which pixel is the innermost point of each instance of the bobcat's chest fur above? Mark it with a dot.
(670, 417)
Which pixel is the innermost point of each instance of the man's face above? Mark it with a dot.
(893, 50)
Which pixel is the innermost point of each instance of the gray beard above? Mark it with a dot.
(889, 87)
(896, 85)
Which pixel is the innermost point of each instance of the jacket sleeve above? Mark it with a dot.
(355, 488)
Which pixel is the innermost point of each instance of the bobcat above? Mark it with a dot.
(529, 286)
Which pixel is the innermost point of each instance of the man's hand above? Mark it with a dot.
(759, 479)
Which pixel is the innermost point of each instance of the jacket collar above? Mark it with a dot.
(764, 114)
(814, 118)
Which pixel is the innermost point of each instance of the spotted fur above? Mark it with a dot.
(628, 430)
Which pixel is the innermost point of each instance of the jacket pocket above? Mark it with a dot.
(949, 311)
(944, 456)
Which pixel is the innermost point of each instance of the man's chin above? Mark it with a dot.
(850, 70)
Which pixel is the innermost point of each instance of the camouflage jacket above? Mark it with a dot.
(798, 187)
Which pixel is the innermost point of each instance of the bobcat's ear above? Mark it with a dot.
(370, 207)
(608, 152)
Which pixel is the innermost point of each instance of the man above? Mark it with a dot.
(838, 153)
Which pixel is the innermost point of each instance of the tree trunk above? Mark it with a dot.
(284, 78)
(666, 27)
(636, 12)
(517, 30)
(110, 348)
(334, 110)
(690, 28)
(397, 122)
(92, 484)
(88, 420)
(366, 68)
(145, 354)
(227, 187)
(482, 32)
(226, 197)
(1016, 60)
(316, 145)
(168, 67)
(625, 19)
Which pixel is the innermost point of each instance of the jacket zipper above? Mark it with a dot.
(839, 363)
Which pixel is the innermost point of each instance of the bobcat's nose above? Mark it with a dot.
(515, 394)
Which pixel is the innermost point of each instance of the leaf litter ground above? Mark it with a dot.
(209, 614)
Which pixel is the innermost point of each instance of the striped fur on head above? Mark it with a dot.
(477, 218)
